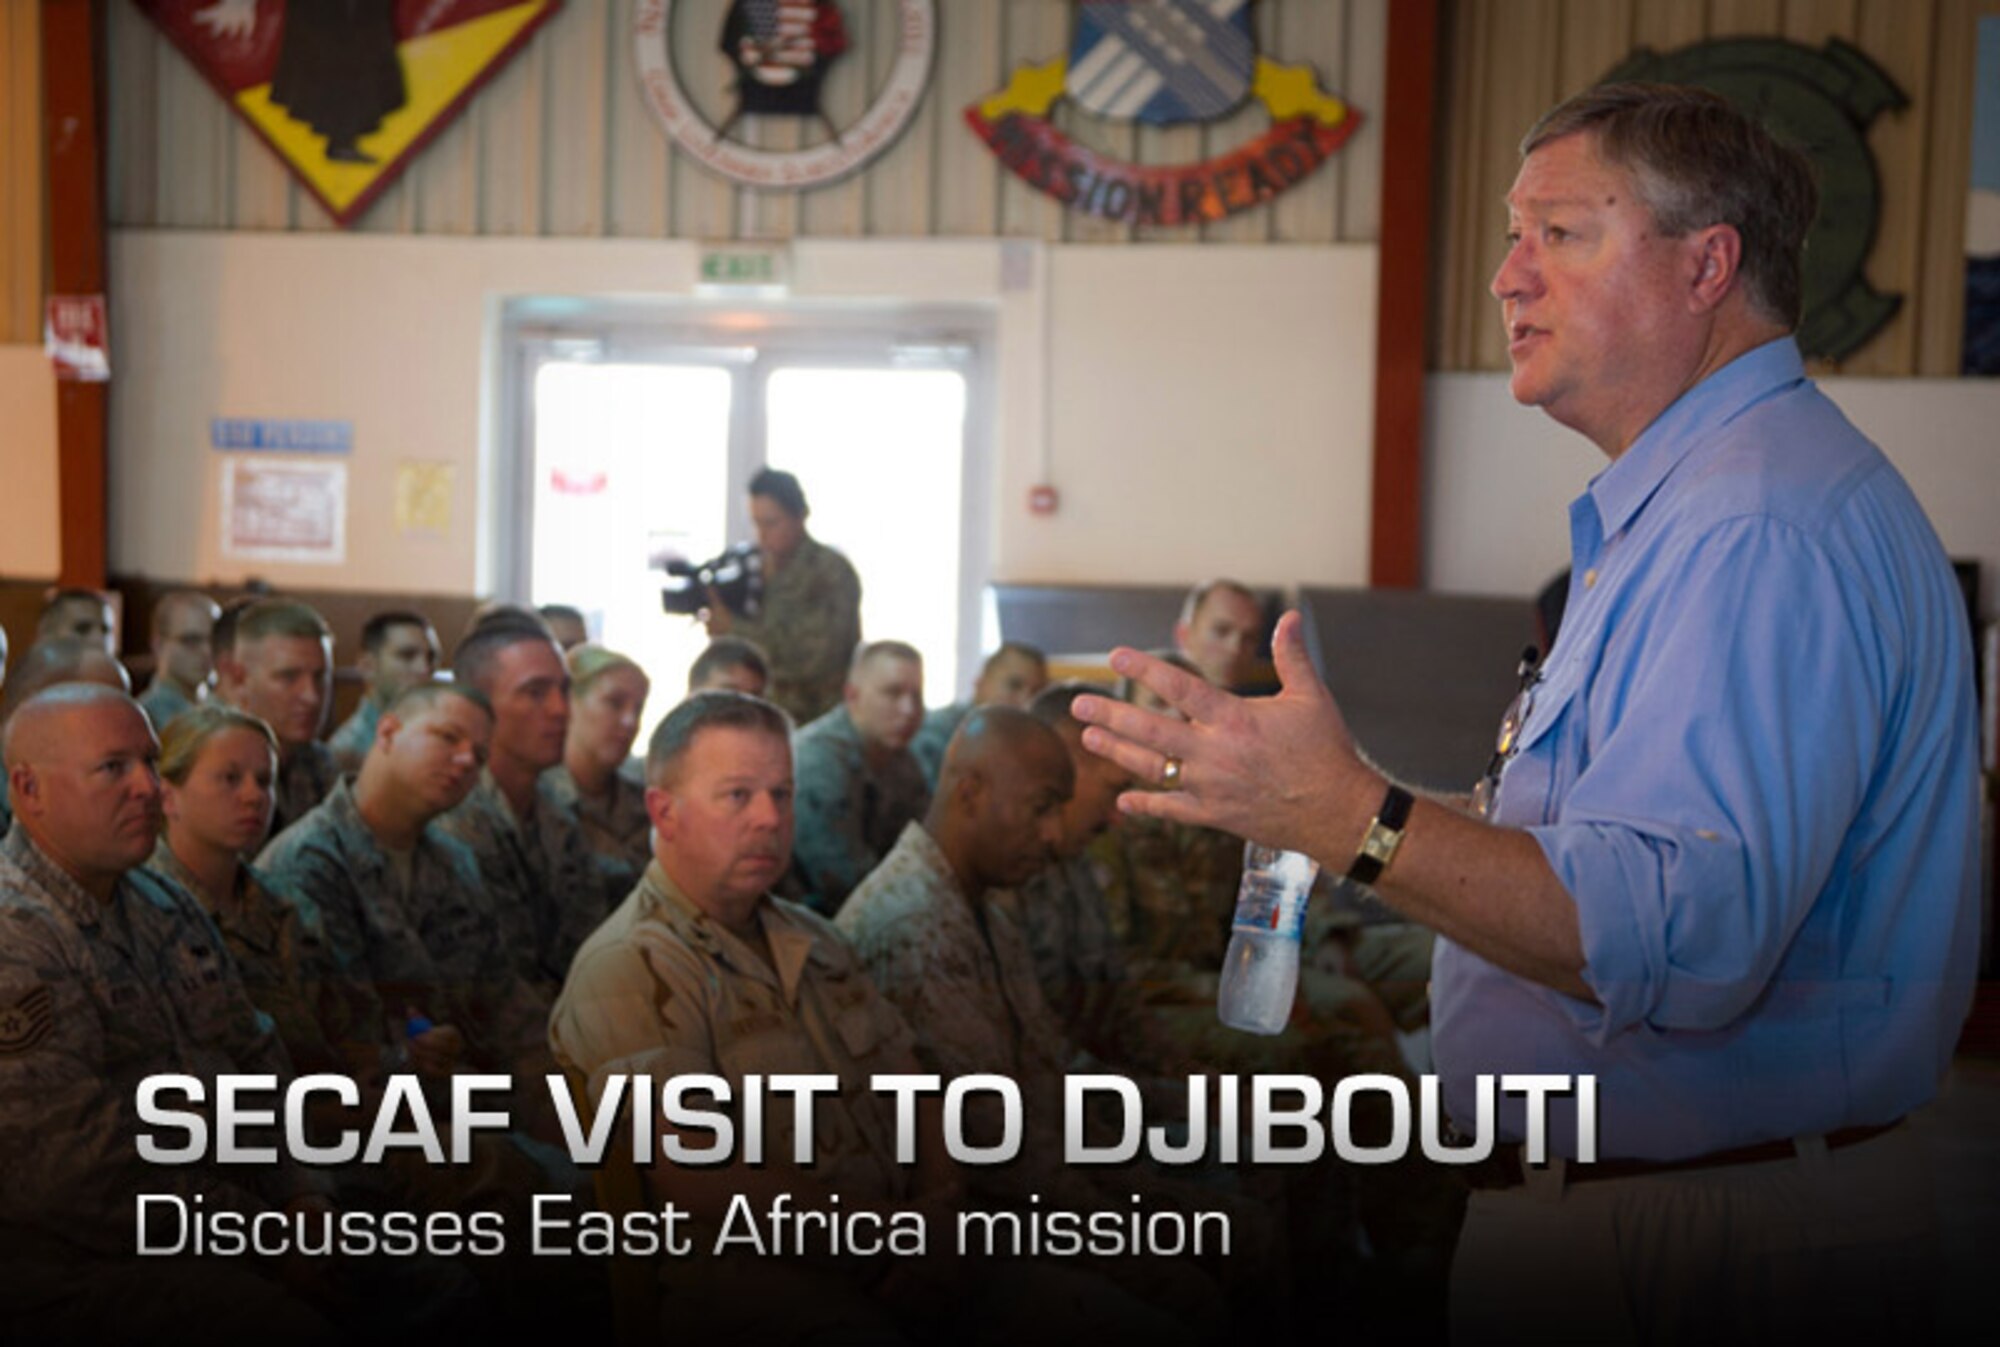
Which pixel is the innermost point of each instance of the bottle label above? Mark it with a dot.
(1268, 906)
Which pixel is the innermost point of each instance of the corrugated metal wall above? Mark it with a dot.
(1508, 60)
(561, 144)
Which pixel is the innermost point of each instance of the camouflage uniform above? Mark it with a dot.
(849, 814)
(935, 737)
(810, 625)
(307, 774)
(350, 743)
(162, 701)
(616, 829)
(94, 997)
(661, 989)
(540, 881)
(1082, 970)
(432, 948)
(287, 968)
(962, 976)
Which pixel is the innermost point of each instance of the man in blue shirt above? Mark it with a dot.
(1729, 867)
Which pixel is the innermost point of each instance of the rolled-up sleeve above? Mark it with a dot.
(1702, 825)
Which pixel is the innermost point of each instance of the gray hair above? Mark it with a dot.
(714, 709)
(1696, 159)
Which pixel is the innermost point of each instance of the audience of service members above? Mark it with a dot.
(869, 889)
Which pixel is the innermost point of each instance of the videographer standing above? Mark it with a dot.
(811, 620)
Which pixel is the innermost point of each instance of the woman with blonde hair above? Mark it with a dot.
(217, 769)
(597, 784)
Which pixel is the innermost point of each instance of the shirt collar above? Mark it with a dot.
(1622, 489)
(791, 941)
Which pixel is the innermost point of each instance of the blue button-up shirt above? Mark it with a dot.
(1752, 761)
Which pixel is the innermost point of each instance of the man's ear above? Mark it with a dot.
(1717, 254)
(229, 670)
(387, 728)
(660, 809)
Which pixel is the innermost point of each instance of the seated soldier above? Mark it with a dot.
(401, 903)
(183, 655)
(927, 928)
(53, 660)
(734, 663)
(109, 975)
(1220, 631)
(399, 650)
(278, 666)
(702, 970)
(859, 785)
(536, 867)
(218, 771)
(85, 614)
(596, 783)
(1011, 676)
(1062, 915)
(565, 624)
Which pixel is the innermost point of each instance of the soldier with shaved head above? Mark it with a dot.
(48, 662)
(83, 613)
(110, 974)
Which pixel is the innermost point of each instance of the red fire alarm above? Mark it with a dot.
(1041, 499)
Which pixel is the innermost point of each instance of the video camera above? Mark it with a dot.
(737, 575)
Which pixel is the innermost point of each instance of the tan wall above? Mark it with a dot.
(21, 226)
(1202, 410)
(561, 144)
(1508, 60)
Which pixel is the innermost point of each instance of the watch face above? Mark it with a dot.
(1821, 101)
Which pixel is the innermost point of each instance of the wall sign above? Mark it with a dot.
(73, 334)
(347, 92)
(257, 434)
(781, 52)
(275, 511)
(1822, 102)
(1165, 63)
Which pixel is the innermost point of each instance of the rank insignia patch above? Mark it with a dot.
(347, 92)
(1163, 63)
(27, 1022)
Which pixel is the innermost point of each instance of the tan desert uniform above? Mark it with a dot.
(808, 629)
(661, 989)
(615, 829)
(421, 932)
(95, 997)
(539, 878)
(849, 812)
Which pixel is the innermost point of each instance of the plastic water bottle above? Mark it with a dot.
(1260, 974)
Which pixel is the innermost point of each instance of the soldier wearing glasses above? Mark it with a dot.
(1730, 867)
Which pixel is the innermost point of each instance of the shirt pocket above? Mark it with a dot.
(1529, 779)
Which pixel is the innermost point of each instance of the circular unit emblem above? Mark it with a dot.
(1822, 101)
(780, 49)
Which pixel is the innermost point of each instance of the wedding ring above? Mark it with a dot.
(1170, 774)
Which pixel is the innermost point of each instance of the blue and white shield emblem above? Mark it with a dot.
(1161, 61)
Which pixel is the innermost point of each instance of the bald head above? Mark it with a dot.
(82, 767)
(997, 813)
(63, 659)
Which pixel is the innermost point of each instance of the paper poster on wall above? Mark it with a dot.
(284, 511)
(423, 497)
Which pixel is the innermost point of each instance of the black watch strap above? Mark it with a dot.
(1384, 835)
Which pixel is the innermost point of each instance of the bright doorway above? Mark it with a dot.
(634, 439)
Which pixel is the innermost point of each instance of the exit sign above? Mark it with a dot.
(736, 269)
